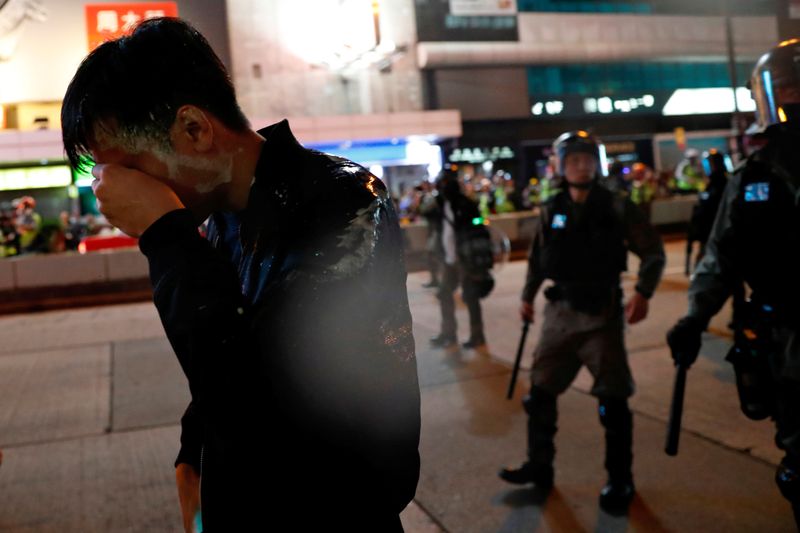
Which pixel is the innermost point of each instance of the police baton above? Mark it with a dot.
(525, 325)
(676, 411)
(688, 265)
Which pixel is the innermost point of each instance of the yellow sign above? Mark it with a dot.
(680, 138)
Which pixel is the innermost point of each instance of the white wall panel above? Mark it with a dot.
(272, 35)
(547, 38)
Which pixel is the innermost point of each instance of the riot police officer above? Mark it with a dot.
(756, 239)
(583, 237)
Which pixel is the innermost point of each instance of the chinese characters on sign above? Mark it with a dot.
(483, 7)
(110, 21)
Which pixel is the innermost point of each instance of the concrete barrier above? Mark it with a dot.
(71, 268)
(6, 275)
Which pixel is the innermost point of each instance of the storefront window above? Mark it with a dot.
(662, 7)
(612, 78)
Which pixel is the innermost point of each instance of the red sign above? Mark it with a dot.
(105, 22)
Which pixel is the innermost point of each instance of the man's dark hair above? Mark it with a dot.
(133, 86)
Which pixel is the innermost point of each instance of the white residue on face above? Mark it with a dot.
(204, 175)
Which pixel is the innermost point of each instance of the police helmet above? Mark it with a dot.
(580, 141)
(775, 86)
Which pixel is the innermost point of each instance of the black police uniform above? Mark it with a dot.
(583, 249)
(756, 240)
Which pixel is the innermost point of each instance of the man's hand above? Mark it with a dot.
(636, 308)
(684, 340)
(526, 311)
(131, 200)
(188, 482)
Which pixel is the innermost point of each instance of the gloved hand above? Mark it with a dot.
(684, 340)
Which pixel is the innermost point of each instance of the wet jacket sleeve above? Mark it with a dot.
(534, 278)
(712, 280)
(644, 241)
(196, 293)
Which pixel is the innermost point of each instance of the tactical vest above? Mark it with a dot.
(590, 250)
(764, 238)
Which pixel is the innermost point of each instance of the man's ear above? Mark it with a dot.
(192, 129)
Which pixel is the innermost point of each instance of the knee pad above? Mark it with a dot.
(788, 481)
(614, 413)
(538, 398)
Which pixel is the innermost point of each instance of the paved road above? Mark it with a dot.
(90, 401)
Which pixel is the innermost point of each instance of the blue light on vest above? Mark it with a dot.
(559, 221)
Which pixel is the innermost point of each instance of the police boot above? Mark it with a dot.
(616, 495)
(538, 469)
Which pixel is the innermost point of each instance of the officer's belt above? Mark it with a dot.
(590, 298)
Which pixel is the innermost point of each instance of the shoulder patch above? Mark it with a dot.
(756, 192)
(559, 221)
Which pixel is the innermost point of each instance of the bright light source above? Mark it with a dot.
(487, 166)
(590, 105)
(745, 99)
(328, 32)
(418, 151)
(538, 108)
(605, 105)
(649, 100)
(421, 152)
(554, 108)
(707, 101)
(377, 171)
(603, 160)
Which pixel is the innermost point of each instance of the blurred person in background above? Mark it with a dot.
(459, 214)
(642, 187)
(9, 238)
(28, 224)
(617, 180)
(486, 198)
(689, 173)
(430, 210)
(504, 193)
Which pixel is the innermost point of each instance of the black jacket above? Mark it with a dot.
(292, 325)
(705, 211)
